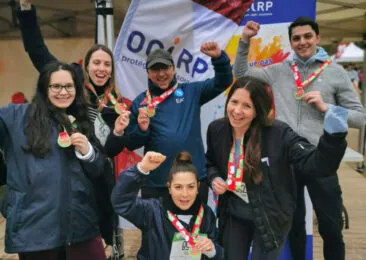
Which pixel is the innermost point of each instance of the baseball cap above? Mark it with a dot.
(159, 56)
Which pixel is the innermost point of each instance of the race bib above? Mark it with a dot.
(180, 249)
(242, 193)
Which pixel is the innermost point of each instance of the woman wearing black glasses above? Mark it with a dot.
(52, 155)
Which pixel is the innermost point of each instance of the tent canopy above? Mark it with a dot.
(348, 53)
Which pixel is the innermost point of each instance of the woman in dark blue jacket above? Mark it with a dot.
(250, 160)
(100, 72)
(52, 156)
(177, 226)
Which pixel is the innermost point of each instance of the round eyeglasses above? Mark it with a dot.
(57, 88)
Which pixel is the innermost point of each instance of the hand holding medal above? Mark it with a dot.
(80, 142)
(64, 139)
(203, 244)
(143, 120)
(121, 122)
(315, 98)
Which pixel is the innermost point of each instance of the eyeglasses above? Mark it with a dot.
(57, 88)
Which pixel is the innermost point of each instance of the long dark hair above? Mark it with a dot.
(182, 163)
(262, 101)
(43, 115)
(111, 83)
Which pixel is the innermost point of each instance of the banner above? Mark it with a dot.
(182, 26)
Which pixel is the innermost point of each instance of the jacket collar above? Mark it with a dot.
(156, 91)
(320, 55)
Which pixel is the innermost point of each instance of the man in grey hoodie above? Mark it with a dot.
(304, 88)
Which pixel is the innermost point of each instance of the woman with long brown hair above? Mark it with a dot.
(250, 159)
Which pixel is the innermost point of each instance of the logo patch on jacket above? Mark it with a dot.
(179, 93)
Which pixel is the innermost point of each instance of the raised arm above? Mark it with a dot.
(241, 67)
(323, 160)
(32, 36)
(211, 88)
(125, 198)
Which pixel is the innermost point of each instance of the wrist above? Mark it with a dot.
(142, 168)
(118, 133)
(245, 39)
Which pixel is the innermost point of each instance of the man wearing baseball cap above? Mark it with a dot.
(166, 117)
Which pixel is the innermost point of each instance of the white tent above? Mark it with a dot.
(348, 53)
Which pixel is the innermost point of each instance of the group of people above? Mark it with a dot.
(61, 197)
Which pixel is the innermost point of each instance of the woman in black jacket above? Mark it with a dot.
(176, 226)
(250, 159)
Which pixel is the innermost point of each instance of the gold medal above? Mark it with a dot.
(119, 108)
(64, 139)
(299, 93)
(150, 111)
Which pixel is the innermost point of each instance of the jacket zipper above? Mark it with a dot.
(269, 225)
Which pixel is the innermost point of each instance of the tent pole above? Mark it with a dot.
(100, 37)
(110, 26)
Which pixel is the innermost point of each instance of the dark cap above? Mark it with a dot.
(159, 56)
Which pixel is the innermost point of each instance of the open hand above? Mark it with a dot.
(143, 120)
(121, 122)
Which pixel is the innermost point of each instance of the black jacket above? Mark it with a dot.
(273, 200)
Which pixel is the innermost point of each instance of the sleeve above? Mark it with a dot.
(138, 138)
(2, 168)
(125, 198)
(212, 169)
(6, 117)
(211, 88)
(213, 235)
(96, 167)
(242, 69)
(115, 144)
(311, 161)
(347, 98)
(33, 40)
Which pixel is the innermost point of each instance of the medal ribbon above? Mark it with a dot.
(109, 96)
(188, 237)
(301, 85)
(153, 102)
(235, 175)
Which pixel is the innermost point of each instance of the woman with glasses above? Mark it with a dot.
(52, 155)
(106, 105)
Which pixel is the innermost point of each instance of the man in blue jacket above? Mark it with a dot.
(166, 117)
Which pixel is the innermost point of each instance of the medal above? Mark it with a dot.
(151, 103)
(190, 238)
(119, 107)
(150, 111)
(299, 93)
(301, 85)
(64, 139)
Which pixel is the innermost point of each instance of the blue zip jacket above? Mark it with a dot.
(151, 218)
(50, 201)
(176, 125)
